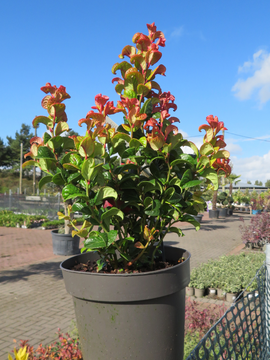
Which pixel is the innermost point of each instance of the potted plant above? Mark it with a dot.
(127, 286)
(256, 205)
(54, 155)
(225, 201)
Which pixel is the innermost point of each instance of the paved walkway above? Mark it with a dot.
(33, 299)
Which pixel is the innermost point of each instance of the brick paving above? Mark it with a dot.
(33, 299)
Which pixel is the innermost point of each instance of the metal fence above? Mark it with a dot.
(34, 205)
(243, 331)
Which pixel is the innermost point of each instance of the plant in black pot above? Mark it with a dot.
(55, 155)
(128, 288)
(226, 202)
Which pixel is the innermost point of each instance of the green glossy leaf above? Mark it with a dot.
(46, 137)
(155, 208)
(112, 235)
(206, 149)
(128, 153)
(74, 176)
(112, 212)
(45, 153)
(134, 143)
(119, 137)
(191, 183)
(143, 89)
(70, 191)
(87, 147)
(44, 180)
(123, 66)
(95, 241)
(105, 193)
(169, 193)
(212, 176)
(88, 168)
(132, 72)
(143, 141)
(71, 167)
(175, 230)
(190, 219)
(147, 107)
(187, 176)
(58, 179)
(120, 169)
(47, 164)
(175, 199)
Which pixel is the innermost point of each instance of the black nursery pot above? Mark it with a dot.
(130, 316)
(65, 244)
(223, 212)
(213, 214)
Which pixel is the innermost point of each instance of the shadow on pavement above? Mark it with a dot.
(45, 268)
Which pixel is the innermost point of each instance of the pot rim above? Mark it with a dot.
(154, 272)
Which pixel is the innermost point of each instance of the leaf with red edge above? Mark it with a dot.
(61, 127)
(173, 119)
(45, 101)
(127, 51)
(222, 154)
(134, 72)
(119, 80)
(139, 61)
(119, 88)
(206, 149)
(156, 86)
(34, 149)
(29, 163)
(123, 67)
(171, 128)
(156, 142)
(143, 42)
(154, 57)
(139, 245)
(161, 69)
(96, 116)
(144, 89)
(42, 120)
(204, 127)
(36, 140)
(48, 88)
(87, 147)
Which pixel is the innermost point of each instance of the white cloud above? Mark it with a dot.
(258, 83)
(178, 32)
(233, 148)
(252, 168)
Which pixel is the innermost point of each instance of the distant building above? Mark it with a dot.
(244, 186)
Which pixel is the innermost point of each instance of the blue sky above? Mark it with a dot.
(217, 56)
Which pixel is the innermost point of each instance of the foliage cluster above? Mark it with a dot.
(198, 321)
(9, 219)
(65, 348)
(151, 190)
(257, 233)
(231, 273)
(59, 223)
(224, 199)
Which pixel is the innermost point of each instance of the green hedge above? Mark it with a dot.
(230, 273)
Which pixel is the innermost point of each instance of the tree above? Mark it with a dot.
(14, 145)
(267, 183)
(259, 183)
(233, 179)
(249, 182)
(4, 154)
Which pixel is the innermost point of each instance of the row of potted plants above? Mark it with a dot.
(227, 275)
(10, 219)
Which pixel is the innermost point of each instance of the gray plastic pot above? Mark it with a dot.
(213, 214)
(130, 316)
(223, 212)
(65, 244)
